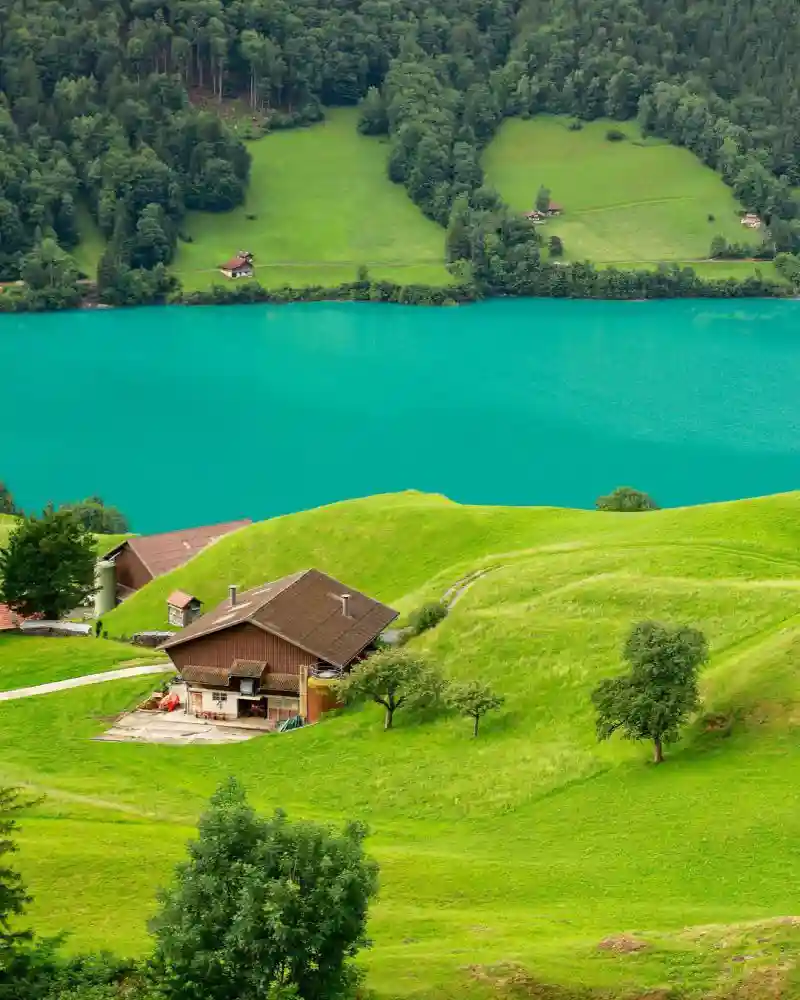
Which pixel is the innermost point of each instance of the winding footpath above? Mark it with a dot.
(73, 682)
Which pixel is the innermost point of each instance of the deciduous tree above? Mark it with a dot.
(474, 699)
(48, 565)
(393, 678)
(263, 908)
(626, 499)
(659, 693)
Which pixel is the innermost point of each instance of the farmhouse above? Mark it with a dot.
(240, 266)
(9, 620)
(182, 609)
(138, 560)
(554, 209)
(751, 220)
(274, 652)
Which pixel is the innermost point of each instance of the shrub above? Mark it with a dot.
(615, 135)
(428, 616)
(556, 246)
(627, 500)
(250, 217)
(575, 126)
(711, 217)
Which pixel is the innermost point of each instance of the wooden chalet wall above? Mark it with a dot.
(242, 642)
(131, 573)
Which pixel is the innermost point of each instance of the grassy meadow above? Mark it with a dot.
(27, 660)
(323, 205)
(521, 850)
(640, 200)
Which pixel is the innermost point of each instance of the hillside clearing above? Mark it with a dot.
(524, 848)
(323, 206)
(636, 200)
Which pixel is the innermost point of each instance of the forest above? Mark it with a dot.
(100, 113)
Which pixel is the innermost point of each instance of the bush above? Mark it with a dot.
(626, 500)
(556, 246)
(185, 238)
(575, 126)
(711, 217)
(250, 217)
(427, 617)
(615, 135)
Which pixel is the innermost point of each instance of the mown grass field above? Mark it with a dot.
(323, 205)
(27, 660)
(641, 200)
(530, 845)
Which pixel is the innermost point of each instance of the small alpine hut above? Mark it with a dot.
(182, 608)
(240, 266)
(555, 209)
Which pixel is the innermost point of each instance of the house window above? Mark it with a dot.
(220, 697)
(248, 685)
(292, 704)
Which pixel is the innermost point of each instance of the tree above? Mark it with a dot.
(48, 565)
(393, 678)
(657, 695)
(47, 266)
(373, 119)
(542, 199)
(7, 505)
(96, 517)
(718, 248)
(626, 499)
(474, 700)
(263, 906)
(427, 616)
(13, 895)
(556, 246)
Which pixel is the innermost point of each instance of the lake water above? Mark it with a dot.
(184, 416)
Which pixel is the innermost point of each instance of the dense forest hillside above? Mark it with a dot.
(109, 107)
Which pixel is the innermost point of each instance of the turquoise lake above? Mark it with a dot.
(182, 416)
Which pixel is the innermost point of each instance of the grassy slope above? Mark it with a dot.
(27, 660)
(323, 206)
(530, 844)
(625, 201)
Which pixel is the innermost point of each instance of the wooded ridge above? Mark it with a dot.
(100, 109)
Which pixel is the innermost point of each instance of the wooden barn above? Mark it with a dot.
(240, 266)
(140, 559)
(275, 651)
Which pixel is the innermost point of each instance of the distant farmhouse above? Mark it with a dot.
(275, 652)
(751, 220)
(553, 209)
(138, 560)
(240, 266)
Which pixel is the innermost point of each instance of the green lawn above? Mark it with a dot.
(27, 660)
(631, 201)
(323, 206)
(88, 252)
(529, 845)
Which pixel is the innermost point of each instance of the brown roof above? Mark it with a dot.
(306, 609)
(213, 676)
(247, 668)
(281, 683)
(179, 599)
(8, 618)
(162, 553)
(236, 262)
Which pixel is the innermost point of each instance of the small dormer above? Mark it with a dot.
(182, 608)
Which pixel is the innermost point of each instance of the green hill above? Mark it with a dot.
(638, 200)
(319, 205)
(516, 854)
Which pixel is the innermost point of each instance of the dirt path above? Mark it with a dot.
(74, 682)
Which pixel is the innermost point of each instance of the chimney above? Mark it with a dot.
(232, 593)
(345, 599)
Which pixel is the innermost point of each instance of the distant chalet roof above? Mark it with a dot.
(179, 599)
(8, 619)
(555, 207)
(162, 553)
(236, 263)
(307, 610)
